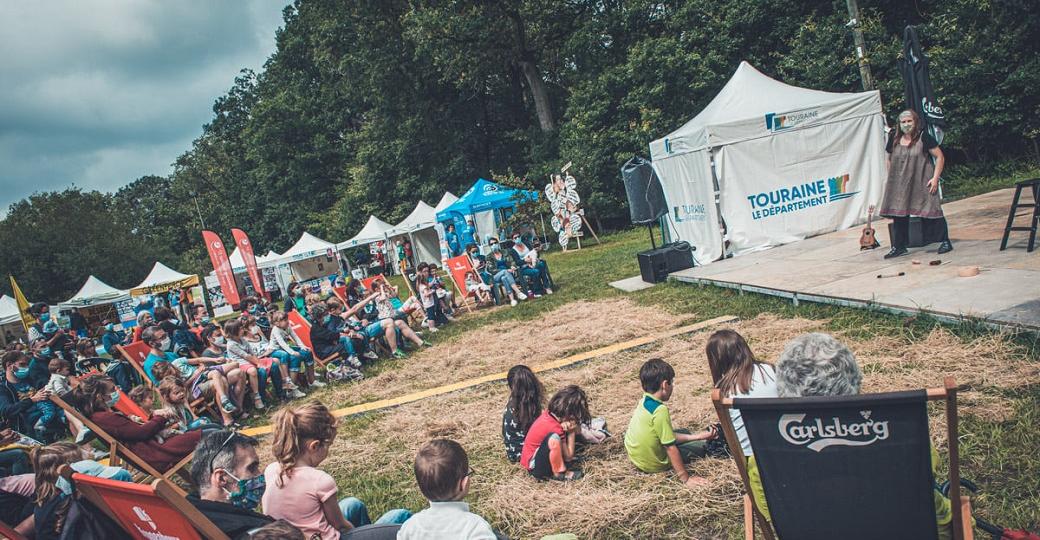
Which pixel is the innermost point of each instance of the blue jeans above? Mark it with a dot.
(357, 513)
(294, 361)
(276, 379)
(14, 462)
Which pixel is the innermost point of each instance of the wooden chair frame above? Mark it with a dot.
(960, 505)
(118, 452)
(165, 490)
(10, 533)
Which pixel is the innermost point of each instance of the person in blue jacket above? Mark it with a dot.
(453, 240)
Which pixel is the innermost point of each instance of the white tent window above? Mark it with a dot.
(789, 163)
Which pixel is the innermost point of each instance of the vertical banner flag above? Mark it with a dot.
(23, 305)
(246, 249)
(222, 266)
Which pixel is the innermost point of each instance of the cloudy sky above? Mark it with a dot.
(97, 93)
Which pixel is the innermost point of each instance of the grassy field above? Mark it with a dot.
(1000, 426)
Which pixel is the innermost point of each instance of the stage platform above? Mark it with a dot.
(830, 268)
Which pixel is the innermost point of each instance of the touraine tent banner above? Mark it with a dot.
(691, 203)
(800, 183)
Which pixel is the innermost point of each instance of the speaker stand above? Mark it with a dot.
(650, 227)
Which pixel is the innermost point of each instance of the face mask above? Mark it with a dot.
(175, 322)
(46, 352)
(44, 317)
(327, 318)
(252, 309)
(906, 128)
(164, 344)
(113, 398)
(248, 491)
(219, 340)
(21, 373)
(110, 327)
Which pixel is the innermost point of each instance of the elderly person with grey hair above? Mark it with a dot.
(227, 471)
(819, 365)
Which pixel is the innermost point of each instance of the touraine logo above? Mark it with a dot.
(779, 122)
(819, 433)
(794, 198)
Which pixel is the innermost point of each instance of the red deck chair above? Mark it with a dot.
(341, 293)
(136, 353)
(303, 329)
(148, 511)
(9, 533)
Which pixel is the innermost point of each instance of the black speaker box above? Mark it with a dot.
(656, 264)
(643, 188)
(915, 232)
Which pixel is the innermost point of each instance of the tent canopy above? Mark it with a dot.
(424, 216)
(9, 310)
(485, 195)
(94, 292)
(238, 264)
(373, 231)
(447, 200)
(163, 278)
(306, 247)
(754, 105)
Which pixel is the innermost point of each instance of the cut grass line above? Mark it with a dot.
(470, 383)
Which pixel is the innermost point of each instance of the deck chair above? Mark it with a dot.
(303, 329)
(850, 467)
(457, 268)
(148, 511)
(119, 453)
(136, 353)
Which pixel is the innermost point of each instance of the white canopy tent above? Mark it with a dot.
(772, 163)
(10, 319)
(163, 278)
(310, 257)
(373, 231)
(447, 200)
(93, 293)
(419, 227)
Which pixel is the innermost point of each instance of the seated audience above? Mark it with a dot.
(96, 396)
(819, 365)
(504, 275)
(327, 343)
(525, 405)
(39, 363)
(61, 383)
(300, 493)
(737, 374)
(22, 405)
(144, 319)
(443, 474)
(226, 471)
(652, 444)
(549, 444)
(534, 269)
(291, 351)
(256, 369)
(173, 394)
(263, 348)
(477, 288)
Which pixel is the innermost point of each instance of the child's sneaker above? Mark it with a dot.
(354, 361)
(351, 374)
(258, 402)
(400, 354)
(426, 343)
(370, 355)
(569, 476)
(295, 393)
(288, 385)
(227, 405)
(512, 301)
(318, 384)
(548, 290)
(40, 427)
(521, 296)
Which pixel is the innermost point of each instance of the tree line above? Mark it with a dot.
(370, 105)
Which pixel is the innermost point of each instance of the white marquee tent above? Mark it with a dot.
(163, 278)
(778, 163)
(93, 293)
(419, 227)
(373, 231)
(10, 319)
(310, 257)
(447, 200)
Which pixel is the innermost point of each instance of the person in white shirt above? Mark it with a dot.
(737, 374)
(442, 472)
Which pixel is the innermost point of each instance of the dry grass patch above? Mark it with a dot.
(614, 500)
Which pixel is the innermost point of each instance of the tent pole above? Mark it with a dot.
(650, 227)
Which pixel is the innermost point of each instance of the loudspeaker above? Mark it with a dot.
(642, 186)
(656, 264)
(915, 233)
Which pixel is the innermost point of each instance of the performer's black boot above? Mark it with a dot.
(896, 252)
(945, 247)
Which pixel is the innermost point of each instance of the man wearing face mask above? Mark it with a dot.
(47, 329)
(227, 471)
(19, 401)
(156, 338)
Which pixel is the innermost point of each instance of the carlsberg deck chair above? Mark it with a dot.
(848, 467)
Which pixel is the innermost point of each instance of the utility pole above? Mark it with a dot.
(195, 197)
(861, 45)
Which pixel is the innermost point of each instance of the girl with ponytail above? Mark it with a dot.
(301, 493)
(526, 395)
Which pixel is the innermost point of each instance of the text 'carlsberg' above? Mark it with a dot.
(820, 434)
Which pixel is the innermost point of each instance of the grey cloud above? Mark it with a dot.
(99, 93)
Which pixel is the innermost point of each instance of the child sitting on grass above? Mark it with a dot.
(549, 444)
(652, 445)
(300, 493)
(443, 474)
(526, 394)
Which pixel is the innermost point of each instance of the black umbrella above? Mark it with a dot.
(919, 93)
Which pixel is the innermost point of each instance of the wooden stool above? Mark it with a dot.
(1034, 186)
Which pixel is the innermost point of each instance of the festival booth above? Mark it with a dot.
(163, 279)
(373, 233)
(766, 163)
(10, 320)
(488, 204)
(419, 228)
(238, 268)
(98, 301)
(308, 260)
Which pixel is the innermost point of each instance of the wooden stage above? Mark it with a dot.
(830, 268)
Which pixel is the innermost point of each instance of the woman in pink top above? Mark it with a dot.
(300, 493)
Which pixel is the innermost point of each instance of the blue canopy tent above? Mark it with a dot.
(483, 203)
